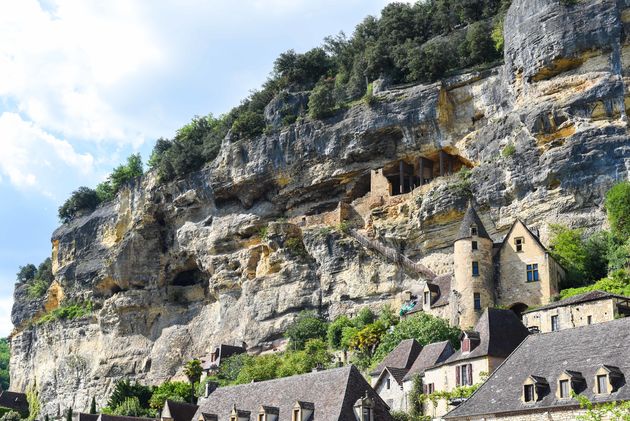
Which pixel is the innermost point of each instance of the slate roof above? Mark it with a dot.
(81, 416)
(500, 332)
(104, 417)
(333, 393)
(442, 284)
(14, 400)
(583, 349)
(430, 355)
(578, 299)
(401, 357)
(180, 411)
(471, 218)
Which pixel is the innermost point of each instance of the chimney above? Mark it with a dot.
(210, 387)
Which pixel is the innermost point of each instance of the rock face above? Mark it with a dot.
(234, 252)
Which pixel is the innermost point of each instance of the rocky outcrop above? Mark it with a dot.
(229, 255)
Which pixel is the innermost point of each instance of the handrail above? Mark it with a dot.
(393, 255)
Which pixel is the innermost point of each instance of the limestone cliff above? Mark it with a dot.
(232, 253)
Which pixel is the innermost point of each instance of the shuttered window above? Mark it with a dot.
(463, 375)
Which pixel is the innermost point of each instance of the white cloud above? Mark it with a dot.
(60, 65)
(32, 159)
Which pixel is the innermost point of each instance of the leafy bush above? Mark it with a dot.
(568, 248)
(174, 391)
(617, 282)
(37, 288)
(67, 312)
(508, 150)
(38, 281)
(11, 416)
(335, 331)
(26, 273)
(307, 325)
(124, 390)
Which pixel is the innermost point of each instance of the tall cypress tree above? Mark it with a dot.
(69, 414)
(93, 406)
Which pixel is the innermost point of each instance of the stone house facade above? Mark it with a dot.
(539, 379)
(580, 310)
(496, 335)
(516, 273)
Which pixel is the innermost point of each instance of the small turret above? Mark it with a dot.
(473, 279)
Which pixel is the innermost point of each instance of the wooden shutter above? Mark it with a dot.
(425, 389)
(469, 374)
(457, 378)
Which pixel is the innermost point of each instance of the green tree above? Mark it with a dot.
(618, 282)
(81, 201)
(618, 208)
(479, 46)
(263, 367)
(5, 355)
(321, 102)
(93, 406)
(307, 325)
(125, 389)
(69, 414)
(568, 248)
(174, 391)
(610, 411)
(26, 273)
(193, 371)
(423, 327)
(335, 331)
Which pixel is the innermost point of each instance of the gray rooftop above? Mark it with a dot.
(500, 332)
(583, 350)
(402, 357)
(578, 299)
(430, 355)
(333, 393)
(471, 218)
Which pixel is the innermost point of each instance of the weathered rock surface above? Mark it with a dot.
(172, 270)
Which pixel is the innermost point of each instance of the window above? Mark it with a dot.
(532, 273)
(367, 413)
(602, 383)
(473, 230)
(427, 297)
(564, 389)
(589, 320)
(477, 298)
(475, 268)
(261, 417)
(475, 246)
(554, 323)
(464, 375)
(528, 393)
(519, 244)
(389, 384)
(430, 388)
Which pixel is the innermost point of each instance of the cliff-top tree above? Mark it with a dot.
(618, 209)
(193, 371)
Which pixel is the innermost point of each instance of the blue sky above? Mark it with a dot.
(85, 83)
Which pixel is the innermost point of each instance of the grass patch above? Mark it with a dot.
(68, 312)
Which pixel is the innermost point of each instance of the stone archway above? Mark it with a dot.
(519, 308)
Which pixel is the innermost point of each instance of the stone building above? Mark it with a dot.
(340, 394)
(178, 411)
(579, 310)
(496, 335)
(212, 362)
(539, 378)
(516, 273)
(387, 377)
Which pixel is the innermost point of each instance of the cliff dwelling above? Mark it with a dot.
(403, 176)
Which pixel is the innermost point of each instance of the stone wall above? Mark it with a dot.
(512, 284)
(550, 415)
(394, 397)
(572, 315)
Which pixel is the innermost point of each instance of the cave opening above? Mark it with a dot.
(188, 278)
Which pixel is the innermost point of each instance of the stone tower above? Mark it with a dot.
(473, 281)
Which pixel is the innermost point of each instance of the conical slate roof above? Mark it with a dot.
(471, 218)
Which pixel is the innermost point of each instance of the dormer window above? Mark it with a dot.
(568, 382)
(364, 409)
(268, 413)
(208, 417)
(238, 415)
(302, 411)
(473, 231)
(534, 389)
(608, 379)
